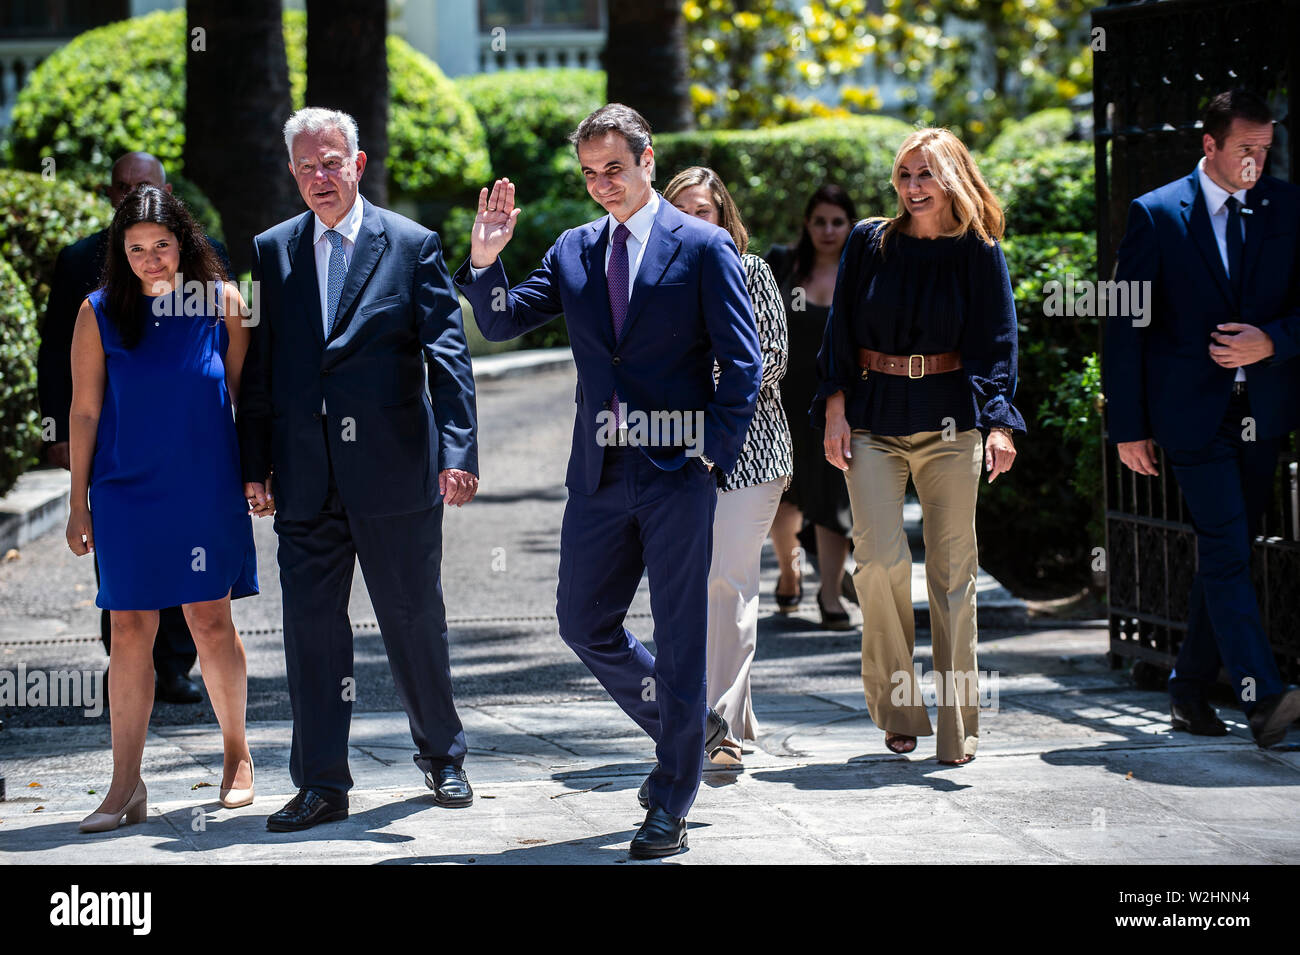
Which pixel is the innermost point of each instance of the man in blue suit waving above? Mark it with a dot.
(652, 297)
(1211, 374)
(357, 412)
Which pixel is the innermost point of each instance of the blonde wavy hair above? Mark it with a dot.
(973, 204)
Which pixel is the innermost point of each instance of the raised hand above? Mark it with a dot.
(494, 225)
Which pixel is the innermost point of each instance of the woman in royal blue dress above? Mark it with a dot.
(156, 489)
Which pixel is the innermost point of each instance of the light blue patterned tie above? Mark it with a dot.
(338, 271)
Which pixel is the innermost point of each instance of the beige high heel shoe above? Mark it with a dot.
(234, 798)
(135, 810)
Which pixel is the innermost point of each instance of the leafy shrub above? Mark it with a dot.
(38, 217)
(772, 172)
(1037, 131)
(200, 206)
(1049, 552)
(1051, 190)
(528, 114)
(1076, 414)
(19, 420)
(121, 87)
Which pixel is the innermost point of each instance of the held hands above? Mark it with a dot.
(260, 501)
(1139, 456)
(494, 225)
(80, 534)
(456, 486)
(1238, 344)
(999, 454)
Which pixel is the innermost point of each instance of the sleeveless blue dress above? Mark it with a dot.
(167, 504)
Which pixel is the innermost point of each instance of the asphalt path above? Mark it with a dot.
(500, 565)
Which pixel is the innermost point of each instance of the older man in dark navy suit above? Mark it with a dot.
(651, 297)
(356, 424)
(1212, 375)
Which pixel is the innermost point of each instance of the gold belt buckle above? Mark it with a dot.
(909, 366)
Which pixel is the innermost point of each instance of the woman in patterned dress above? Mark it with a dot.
(749, 495)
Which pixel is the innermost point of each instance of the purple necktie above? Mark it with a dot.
(616, 277)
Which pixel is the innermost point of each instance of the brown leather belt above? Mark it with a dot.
(908, 366)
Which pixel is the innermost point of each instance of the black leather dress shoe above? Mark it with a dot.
(1198, 718)
(1270, 719)
(716, 729)
(662, 834)
(308, 808)
(176, 688)
(450, 787)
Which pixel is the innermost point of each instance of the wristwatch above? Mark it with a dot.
(708, 461)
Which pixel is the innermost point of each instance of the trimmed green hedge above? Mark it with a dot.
(772, 172)
(1051, 190)
(121, 87)
(20, 432)
(528, 115)
(38, 217)
(1047, 127)
(1049, 553)
(200, 206)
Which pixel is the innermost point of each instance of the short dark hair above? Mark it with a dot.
(616, 118)
(1239, 103)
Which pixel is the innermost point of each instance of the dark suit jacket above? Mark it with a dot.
(395, 374)
(1160, 381)
(76, 274)
(689, 305)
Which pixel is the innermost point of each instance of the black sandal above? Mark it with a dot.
(833, 619)
(899, 743)
(788, 603)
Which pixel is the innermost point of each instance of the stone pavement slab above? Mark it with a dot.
(1081, 771)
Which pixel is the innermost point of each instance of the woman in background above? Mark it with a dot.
(748, 496)
(817, 494)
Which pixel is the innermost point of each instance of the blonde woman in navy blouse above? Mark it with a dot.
(918, 371)
(749, 495)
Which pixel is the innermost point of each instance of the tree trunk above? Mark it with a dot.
(645, 63)
(347, 69)
(236, 103)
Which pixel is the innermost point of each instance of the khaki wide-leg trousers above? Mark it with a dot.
(946, 475)
(740, 525)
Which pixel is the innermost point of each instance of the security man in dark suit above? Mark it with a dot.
(1212, 374)
(76, 274)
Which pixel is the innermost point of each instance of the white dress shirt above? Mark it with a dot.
(1216, 199)
(349, 227)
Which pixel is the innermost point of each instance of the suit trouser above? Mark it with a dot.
(401, 558)
(174, 652)
(946, 475)
(642, 519)
(1226, 485)
(740, 525)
